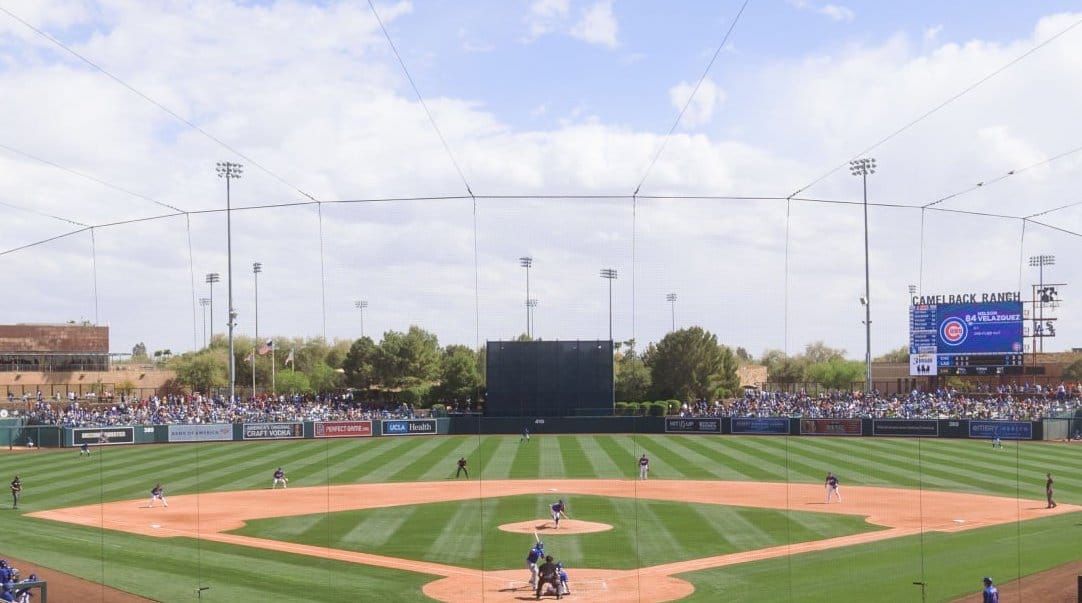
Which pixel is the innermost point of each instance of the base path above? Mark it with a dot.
(902, 512)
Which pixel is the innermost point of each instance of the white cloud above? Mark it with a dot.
(311, 93)
(838, 13)
(931, 34)
(545, 16)
(701, 109)
(597, 25)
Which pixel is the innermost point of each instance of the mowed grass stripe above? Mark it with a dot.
(730, 461)
(438, 462)
(526, 460)
(453, 529)
(377, 528)
(497, 455)
(597, 461)
(617, 455)
(573, 459)
(552, 460)
(665, 461)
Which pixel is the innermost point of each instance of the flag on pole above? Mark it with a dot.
(289, 359)
(266, 348)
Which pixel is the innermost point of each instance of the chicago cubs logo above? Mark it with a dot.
(953, 331)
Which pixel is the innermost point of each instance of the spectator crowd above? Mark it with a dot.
(200, 409)
(1005, 402)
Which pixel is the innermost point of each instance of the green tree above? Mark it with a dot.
(459, 377)
(836, 373)
(290, 381)
(200, 371)
(781, 368)
(689, 364)
(407, 359)
(139, 352)
(742, 355)
(323, 378)
(896, 356)
(817, 352)
(360, 363)
(632, 377)
(1073, 371)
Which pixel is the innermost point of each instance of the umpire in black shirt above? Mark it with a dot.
(548, 575)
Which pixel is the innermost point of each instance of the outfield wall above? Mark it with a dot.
(14, 433)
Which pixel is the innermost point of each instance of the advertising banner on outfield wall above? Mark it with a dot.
(1006, 430)
(906, 427)
(761, 425)
(343, 429)
(692, 425)
(218, 432)
(832, 427)
(409, 427)
(273, 431)
(103, 435)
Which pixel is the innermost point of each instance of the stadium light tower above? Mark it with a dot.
(671, 298)
(203, 301)
(212, 278)
(526, 262)
(863, 167)
(610, 275)
(361, 304)
(530, 305)
(1040, 261)
(230, 171)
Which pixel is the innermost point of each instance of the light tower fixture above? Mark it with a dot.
(361, 304)
(526, 262)
(671, 298)
(863, 168)
(610, 275)
(230, 171)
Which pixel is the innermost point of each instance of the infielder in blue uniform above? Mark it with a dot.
(559, 509)
(990, 593)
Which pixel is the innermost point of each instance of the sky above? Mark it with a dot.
(526, 129)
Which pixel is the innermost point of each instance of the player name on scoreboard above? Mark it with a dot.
(956, 335)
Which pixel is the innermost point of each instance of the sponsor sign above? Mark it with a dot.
(692, 425)
(218, 432)
(833, 427)
(103, 435)
(1006, 430)
(399, 427)
(343, 429)
(761, 426)
(905, 427)
(273, 431)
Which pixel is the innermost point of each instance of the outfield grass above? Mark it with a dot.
(171, 569)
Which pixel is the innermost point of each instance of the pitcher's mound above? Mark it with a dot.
(547, 526)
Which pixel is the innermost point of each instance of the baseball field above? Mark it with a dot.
(721, 518)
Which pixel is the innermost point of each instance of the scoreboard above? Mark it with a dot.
(966, 339)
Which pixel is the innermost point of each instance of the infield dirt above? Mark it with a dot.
(901, 512)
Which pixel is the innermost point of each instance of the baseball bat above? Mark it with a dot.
(536, 537)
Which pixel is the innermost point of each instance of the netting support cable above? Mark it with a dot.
(94, 271)
(1021, 254)
(191, 274)
(476, 284)
(687, 103)
(322, 272)
(920, 262)
(785, 279)
(634, 264)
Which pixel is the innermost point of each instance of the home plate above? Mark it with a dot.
(958, 520)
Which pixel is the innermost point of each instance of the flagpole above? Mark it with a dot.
(253, 366)
(273, 390)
